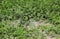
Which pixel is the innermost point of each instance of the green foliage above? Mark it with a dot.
(51, 30)
(8, 31)
(26, 10)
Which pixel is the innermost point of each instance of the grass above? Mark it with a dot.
(10, 32)
(15, 16)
